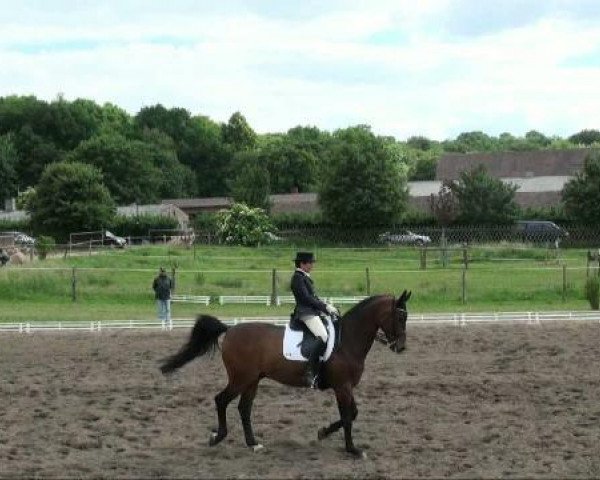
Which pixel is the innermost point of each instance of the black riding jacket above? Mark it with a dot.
(307, 302)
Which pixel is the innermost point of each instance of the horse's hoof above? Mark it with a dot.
(358, 454)
(257, 448)
(322, 433)
(215, 438)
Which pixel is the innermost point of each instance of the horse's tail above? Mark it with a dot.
(204, 337)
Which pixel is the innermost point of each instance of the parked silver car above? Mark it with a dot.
(406, 237)
(19, 238)
(114, 240)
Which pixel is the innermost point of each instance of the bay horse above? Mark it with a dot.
(253, 351)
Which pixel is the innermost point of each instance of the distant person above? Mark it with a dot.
(4, 258)
(162, 287)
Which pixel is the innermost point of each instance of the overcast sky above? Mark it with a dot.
(415, 67)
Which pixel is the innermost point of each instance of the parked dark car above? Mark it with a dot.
(539, 231)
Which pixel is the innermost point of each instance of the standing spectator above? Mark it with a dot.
(162, 287)
(4, 258)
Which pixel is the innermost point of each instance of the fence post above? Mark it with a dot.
(465, 257)
(368, 274)
(424, 258)
(74, 284)
(587, 264)
(464, 285)
(274, 287)
(564, 283)
(173, 271)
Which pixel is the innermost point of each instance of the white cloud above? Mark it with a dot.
(321, 69)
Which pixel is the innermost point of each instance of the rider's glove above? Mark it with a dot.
(331, 310)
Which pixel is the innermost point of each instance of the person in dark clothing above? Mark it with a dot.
(4, 258)
(162, 286)
(308, 308)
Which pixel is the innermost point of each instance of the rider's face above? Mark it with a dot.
(307, 267)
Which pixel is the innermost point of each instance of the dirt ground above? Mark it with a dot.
(472, 402)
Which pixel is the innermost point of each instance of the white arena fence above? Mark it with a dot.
(424, 319)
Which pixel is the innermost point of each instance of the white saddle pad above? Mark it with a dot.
(292, 339)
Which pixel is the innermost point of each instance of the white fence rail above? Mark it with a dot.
(260, 299)
(455, 319)
(204, 299)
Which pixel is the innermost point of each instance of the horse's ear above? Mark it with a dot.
(402, 298)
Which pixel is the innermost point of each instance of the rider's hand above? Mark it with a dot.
(332, 310)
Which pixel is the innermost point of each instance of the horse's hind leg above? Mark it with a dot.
(324, 432)
(245, 408)
(222, 400)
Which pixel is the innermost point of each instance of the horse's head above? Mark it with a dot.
(394, 324)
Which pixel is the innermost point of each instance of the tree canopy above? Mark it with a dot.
(483, 199)
(362, 184)
(163, 152)
(70, 197)
(8, 163)
(581, 195)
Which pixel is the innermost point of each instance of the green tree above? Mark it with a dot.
(115, 120)
(238, 133)
(292, 167)
(585, 137)
(70, 197)
(127, 165)
(469, 142)
(8, 163)
(243, 225)
(25, 197)
(421, 164)
(537, 140)
(17, 112)
(204, 152)
(35, 153)
(69, 123)
(177, 180)
(483, 199)
(420, 143)
(250, 184)
(362, 185)
(173, 121)
(444, 205)
(581, 194)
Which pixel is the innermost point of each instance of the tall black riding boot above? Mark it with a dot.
(314, 362)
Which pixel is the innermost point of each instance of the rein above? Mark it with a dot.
(382, 338)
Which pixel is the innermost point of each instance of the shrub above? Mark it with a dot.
(243, 225)
(44, 245)
(592, 292)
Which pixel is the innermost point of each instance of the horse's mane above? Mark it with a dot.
(357, 309)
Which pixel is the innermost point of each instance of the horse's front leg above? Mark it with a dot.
(333, 427)
(345, 400)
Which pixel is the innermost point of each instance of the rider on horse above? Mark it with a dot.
(308, 309)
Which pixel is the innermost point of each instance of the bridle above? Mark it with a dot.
(383, 338)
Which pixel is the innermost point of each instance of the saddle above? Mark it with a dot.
(298, 339)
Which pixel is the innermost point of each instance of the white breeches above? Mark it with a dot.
(315, 325)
